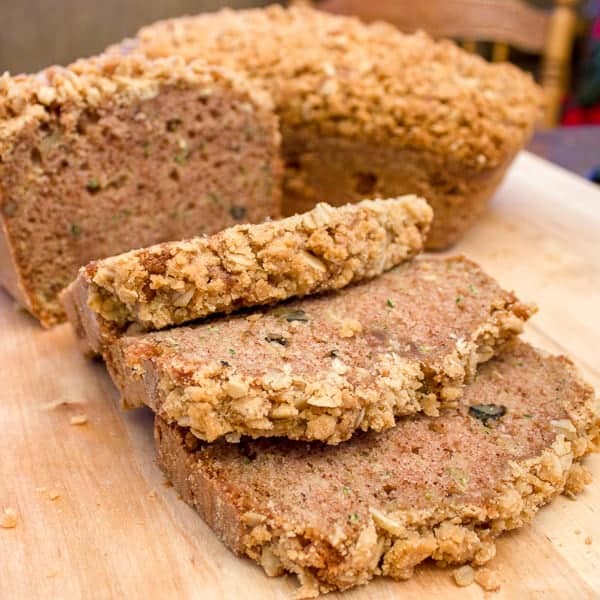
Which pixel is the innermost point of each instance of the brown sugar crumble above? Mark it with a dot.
(464, 576)
(489, 580)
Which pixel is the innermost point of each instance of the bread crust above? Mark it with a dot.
(336, 77)
(325, 367)
(246, 265)
(10, 277)
(91, 82)
(432, 488)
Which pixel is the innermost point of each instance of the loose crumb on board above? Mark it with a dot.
(79, 419)
(8, 518)
(588, 540)
(54, 495)
(152, 494)
(464, 576)
(489, 580)
(56, 403)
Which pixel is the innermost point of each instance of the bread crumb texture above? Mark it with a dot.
(335, 76)
(324, 367)
(115, 152)
(431, 488)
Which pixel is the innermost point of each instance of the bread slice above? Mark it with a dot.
(115, 153)
(441, 488)
(324, 367)
(366, 110)
(246, 265)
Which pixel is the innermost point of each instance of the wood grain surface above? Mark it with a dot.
(96, 520)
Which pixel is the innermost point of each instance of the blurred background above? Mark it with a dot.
(37, 33)
(557, 40)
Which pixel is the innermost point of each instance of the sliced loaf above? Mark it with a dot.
(323, 367)
(440, 488)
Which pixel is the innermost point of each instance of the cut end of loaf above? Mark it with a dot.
(119, 153)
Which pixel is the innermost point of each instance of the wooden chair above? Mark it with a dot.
(504, 22)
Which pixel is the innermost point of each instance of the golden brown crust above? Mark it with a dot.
(322, 368)
(93, 81)
(246, 265)
(340, 77)
(441, 488)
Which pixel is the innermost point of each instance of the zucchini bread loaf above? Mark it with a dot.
(246, 265)
(368, 111)
(442, 488)
(121, 152)
(324, 367)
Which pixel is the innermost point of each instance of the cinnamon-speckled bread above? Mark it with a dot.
(442, 488)
(366, 110)
(324, 367)
(115, 153)
(246, 265)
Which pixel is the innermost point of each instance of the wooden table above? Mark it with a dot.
(115, 530)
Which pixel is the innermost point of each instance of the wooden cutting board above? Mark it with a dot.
(115, 530)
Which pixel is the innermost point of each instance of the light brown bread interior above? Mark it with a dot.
(165, 152)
